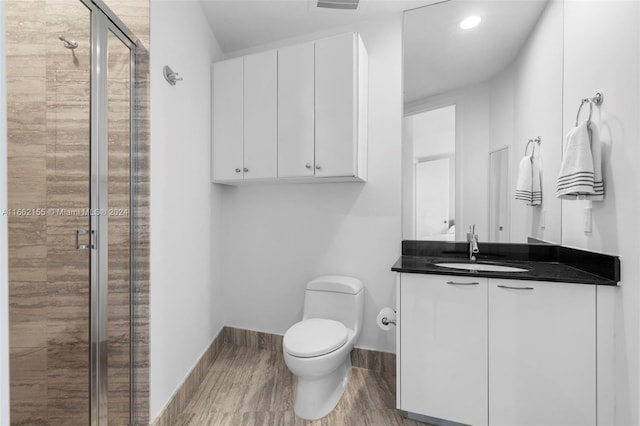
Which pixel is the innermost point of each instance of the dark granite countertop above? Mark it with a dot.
(536, 271)
(543, 262)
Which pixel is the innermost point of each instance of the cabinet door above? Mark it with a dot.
(542, 353)
(296, 111)
(260, 115)
(227, 150)
(443, 347)
(336, 107)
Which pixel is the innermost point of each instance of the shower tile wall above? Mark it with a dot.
(48, 166)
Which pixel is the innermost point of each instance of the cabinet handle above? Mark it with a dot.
(238, 170)
(455, 283)
(516, 288)
(318, 166)
(246, 170)
(308, 165)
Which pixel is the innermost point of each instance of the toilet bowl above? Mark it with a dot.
(317, 349)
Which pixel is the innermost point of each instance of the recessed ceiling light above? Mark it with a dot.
(470, 22)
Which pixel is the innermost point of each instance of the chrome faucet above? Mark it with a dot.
(472, 238)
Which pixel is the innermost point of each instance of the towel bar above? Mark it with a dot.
(597, 100)
(537, 140)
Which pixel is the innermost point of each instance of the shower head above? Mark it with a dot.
(69, 44)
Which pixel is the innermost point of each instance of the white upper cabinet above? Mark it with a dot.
(295, 111)
(228, 127)
(299, 112)
(340, 73)
(260, 115)
(542, 353)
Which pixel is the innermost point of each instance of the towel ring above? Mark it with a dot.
(536, 140)
(597, 99)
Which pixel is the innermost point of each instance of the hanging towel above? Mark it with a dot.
(528, 186)
(596, 152)
(580, 161)
(536, 179)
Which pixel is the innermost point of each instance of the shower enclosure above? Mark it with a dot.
(71, 179)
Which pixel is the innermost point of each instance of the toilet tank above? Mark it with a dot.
(335, 297)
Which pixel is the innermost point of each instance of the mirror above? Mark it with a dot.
(473, 99)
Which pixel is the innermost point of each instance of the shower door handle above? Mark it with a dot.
(84, 246)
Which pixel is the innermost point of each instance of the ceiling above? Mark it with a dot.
(241, 24)
(439, 56)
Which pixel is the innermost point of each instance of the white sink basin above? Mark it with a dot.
(480, 267)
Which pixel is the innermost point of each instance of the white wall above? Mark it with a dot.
(601, 53)
(280, 236)
(4, 244)
(186, 308)
(433, 132)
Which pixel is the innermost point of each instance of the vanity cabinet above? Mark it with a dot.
(443, 342)
(244, 118)
(296, 112)
(499, 352)
(542, 353)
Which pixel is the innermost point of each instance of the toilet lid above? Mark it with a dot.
(314, 337)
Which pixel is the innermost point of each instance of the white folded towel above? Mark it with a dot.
(528, 186)
(596, 152)
(581, 168)
(536, 178)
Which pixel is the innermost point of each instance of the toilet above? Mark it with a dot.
(317, 349)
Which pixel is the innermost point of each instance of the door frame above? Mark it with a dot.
(103, 22)
(508, 213)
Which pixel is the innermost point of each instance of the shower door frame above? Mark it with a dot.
(104, 21)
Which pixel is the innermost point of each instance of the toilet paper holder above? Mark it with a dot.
(386, 318)
(387, 321)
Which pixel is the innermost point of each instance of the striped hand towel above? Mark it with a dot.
(528, 186)
(577, 176)
(596, 152)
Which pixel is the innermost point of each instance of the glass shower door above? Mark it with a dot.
(69, 80)
(48, 85)
(119, 234)
(111, 194)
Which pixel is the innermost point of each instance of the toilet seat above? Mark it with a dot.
(314, 337)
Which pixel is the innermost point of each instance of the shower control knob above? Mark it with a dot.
(246, 170)
(308, 165)
(238, 170)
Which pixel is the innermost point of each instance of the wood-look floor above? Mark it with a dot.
(253, 387)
